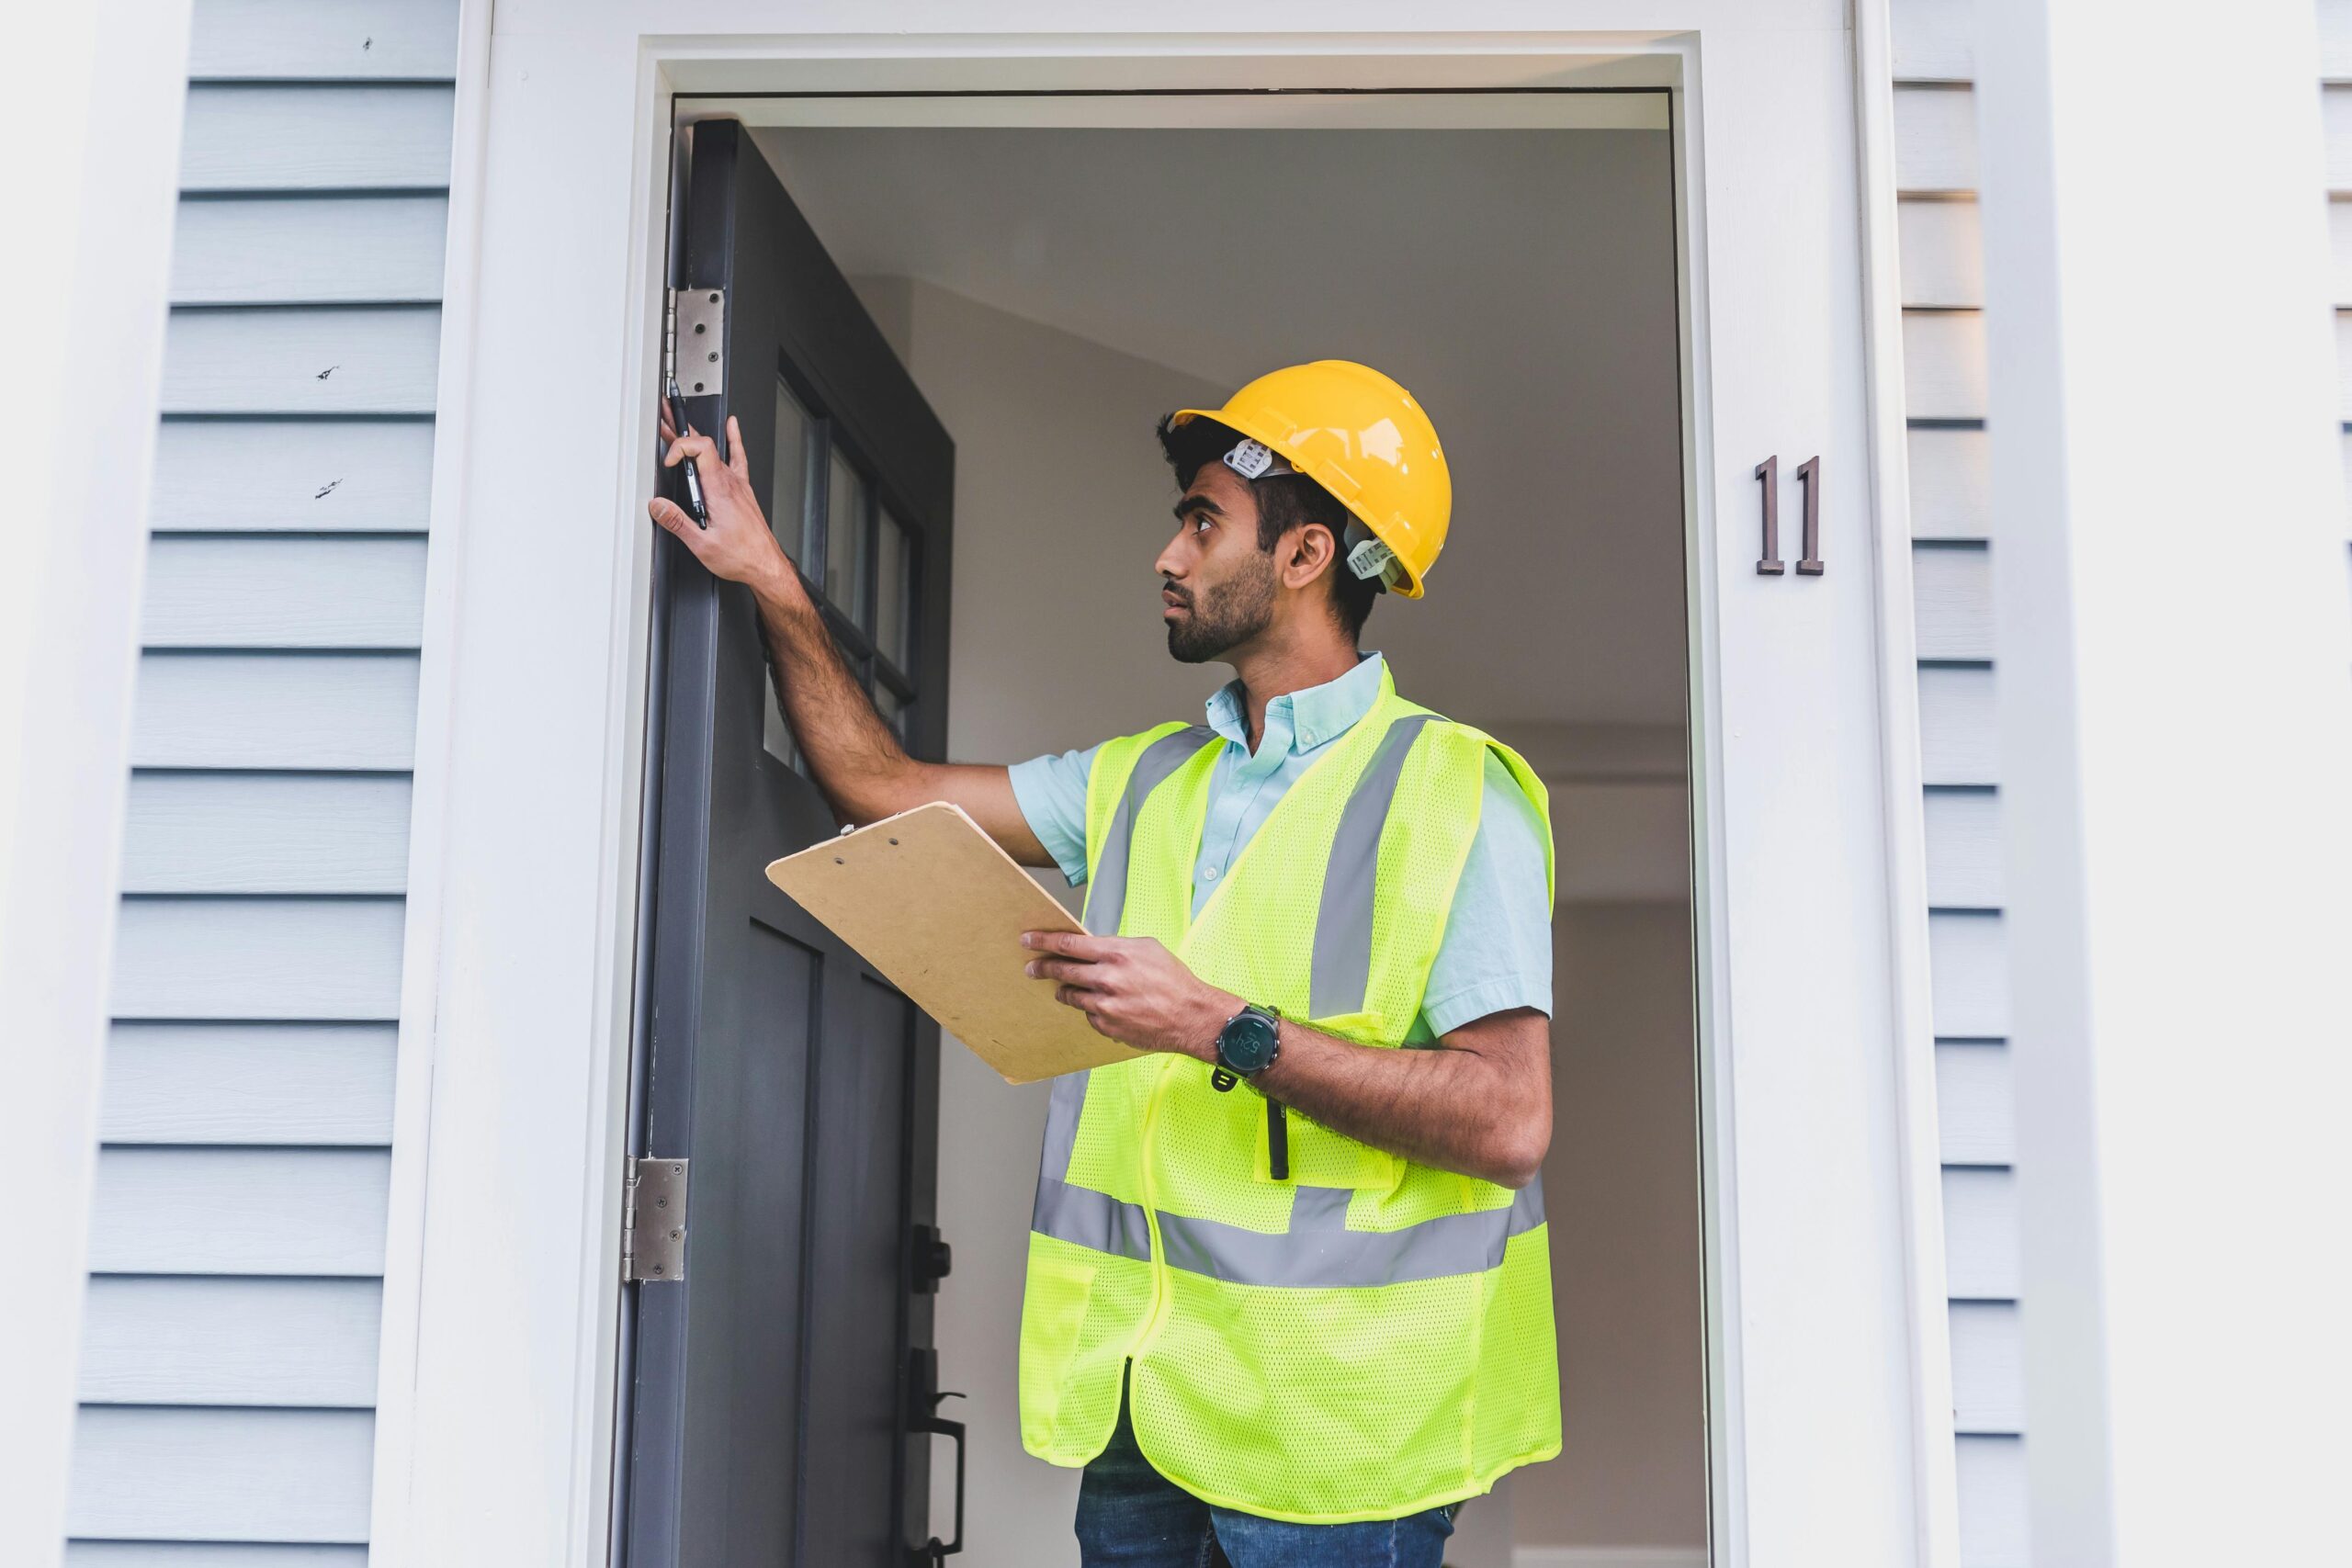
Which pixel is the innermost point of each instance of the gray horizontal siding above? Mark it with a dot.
(315, 138)
(271, 476)
(210, 1555)
(147, 1472)
(328, 360)
(1976, 1109)
(238, 1228)
(275, 710)
(1957, 638)
(1950, 483)
(249, 1083)
(308, 593)
(254, 832)
(350, 41)
(239, 1211)
(296, 1343)
(259, 958)
(315, 250)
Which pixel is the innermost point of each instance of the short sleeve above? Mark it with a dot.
(1496, 951)
(1051, 792)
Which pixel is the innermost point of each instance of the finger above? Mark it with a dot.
(700, 448)
(735, 459)
(669, 516)
(661, 418)
(1072, 945)
(1081, 999)
(1076, 971)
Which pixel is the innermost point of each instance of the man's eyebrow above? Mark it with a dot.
(1197, 502)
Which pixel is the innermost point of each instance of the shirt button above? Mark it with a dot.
(1208, 874)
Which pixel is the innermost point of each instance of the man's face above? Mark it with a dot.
(1217, 585)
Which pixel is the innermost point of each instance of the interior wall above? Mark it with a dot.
(1621, 1190)
(1061, 506)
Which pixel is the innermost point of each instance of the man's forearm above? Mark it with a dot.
(863, 771)
(1479, 1103)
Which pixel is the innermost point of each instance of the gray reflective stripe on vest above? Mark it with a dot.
(1107, 890)
(1341, 970)
(1092, 1219)
(1106, 898)
(1319, 1252)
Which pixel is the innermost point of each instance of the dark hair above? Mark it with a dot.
(1284, 501)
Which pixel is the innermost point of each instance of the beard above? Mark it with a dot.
(1229, 615)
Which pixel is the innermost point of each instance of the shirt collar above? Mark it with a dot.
(1309, 717)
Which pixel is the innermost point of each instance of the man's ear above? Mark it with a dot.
(1308, 550)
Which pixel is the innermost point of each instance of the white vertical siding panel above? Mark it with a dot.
(323, 477)
(231, 1341)
(1987, 1368)
(1993, 1524)
(310, 1211)
(1975, 1102)
(1944, 363)
(1934, 40)
(1952, 588)
(1942, 254)
(1980, 1233)
(315, 138)
(259, 958)
(354, 40)
(313, 1084)
(2339, 234)
(1958, 734)
(261, 710)
(254, 832)
(1969, 974)
(284, 592)
(241, 1476)
(1935, 138)
(353, 360)
(309, 250)
(1950, 484)
(1963, 830)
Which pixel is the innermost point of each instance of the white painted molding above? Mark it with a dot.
(1609, 1557)
(92, 120)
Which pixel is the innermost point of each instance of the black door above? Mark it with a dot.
(779, 1389)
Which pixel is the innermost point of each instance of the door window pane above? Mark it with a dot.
(845, 541)
(792, 523)
(892, 553)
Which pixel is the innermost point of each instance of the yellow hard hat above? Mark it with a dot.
(1363, 437)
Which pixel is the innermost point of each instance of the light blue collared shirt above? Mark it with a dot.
(1497, 953)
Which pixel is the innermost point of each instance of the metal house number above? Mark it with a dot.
(1767, 475)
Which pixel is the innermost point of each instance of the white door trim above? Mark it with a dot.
(1821, 1333)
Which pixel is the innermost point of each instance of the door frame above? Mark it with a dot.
(495, 1424)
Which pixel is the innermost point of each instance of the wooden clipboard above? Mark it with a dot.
(932, 902)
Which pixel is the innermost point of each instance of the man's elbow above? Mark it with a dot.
(1516, 1156)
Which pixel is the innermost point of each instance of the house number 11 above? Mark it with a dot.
(1767, 474)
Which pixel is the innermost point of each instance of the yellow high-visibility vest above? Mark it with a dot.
(1365, 1336)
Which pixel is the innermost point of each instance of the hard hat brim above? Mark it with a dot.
(1411, 587)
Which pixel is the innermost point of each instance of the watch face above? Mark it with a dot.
(1246, 1042)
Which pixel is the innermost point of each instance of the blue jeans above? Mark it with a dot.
(1130, 1516)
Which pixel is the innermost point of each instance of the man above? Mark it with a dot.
(1289, 1298)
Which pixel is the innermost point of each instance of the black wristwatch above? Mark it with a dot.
(1249, 1041)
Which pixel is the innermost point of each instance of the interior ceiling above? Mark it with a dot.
(1521, 282)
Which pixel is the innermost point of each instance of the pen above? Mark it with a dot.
(693, 476)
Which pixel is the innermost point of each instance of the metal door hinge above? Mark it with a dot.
(694, 334)
(653, 1221)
